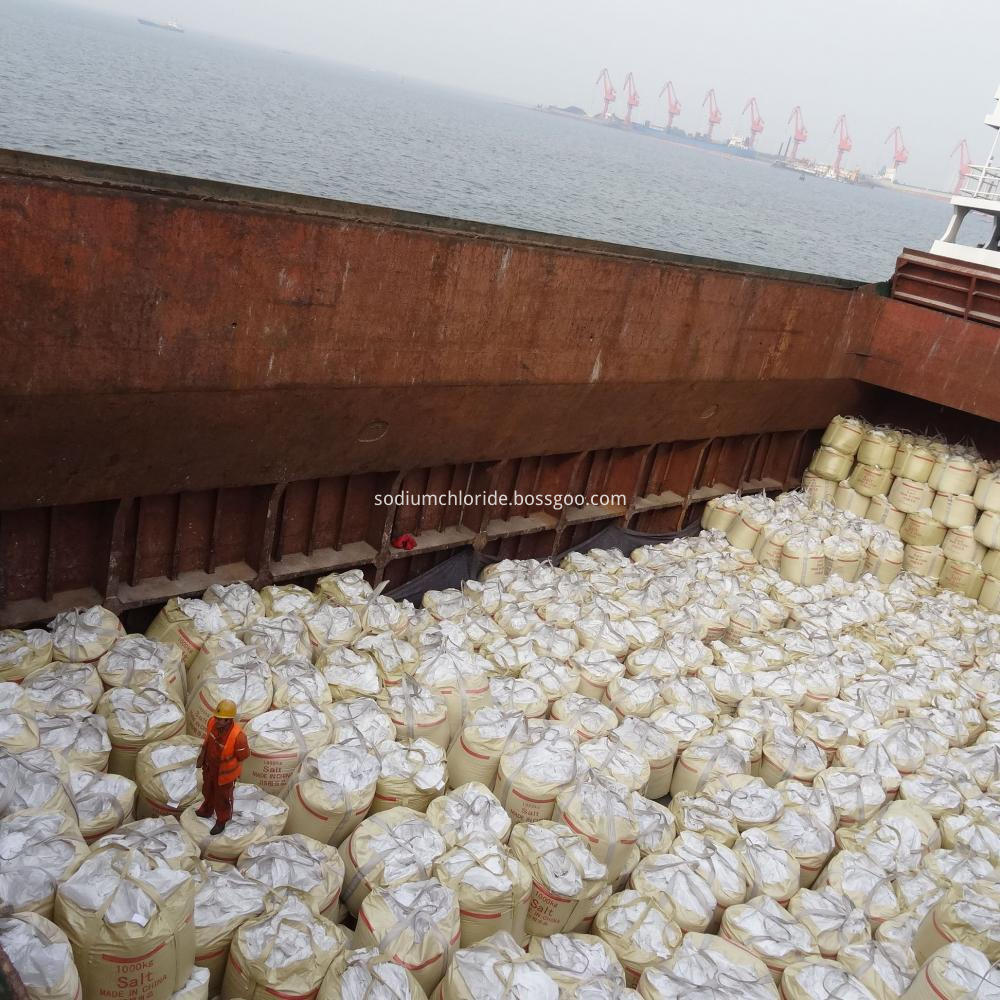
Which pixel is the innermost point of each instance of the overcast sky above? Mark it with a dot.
(882, 62)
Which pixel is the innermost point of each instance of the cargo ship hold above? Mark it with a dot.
(215, 381)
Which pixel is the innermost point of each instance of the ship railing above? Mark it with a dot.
(982, 181)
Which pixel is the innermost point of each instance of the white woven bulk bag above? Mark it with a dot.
(923, 560)
(770, 869)
(38, 850)
(417, 712)
(803, 560)
(818, 490)
(486, 735)
(643, 739)
(638, 931)
(256, 817)
(914, 460)
(241, 603)
(987, 492)
(864, 882)
(84, 635)
(706, 758)
(610, 759)
(954, 510)
(877, 966)
(41, 957)
(599, 809)
(412, 773)
(397, 846)
(856, 797)
(279, 740)
(532, 773)
(788, 755)
(844, 557)
(830, 463)
(332, 792)
(80, 738)
(976, 830)
(882, 512)
(989, 595)
(657, 825)
(956, 972)
(879, 446)
(967, 914)
(295, 865)
(136, 662)
(578, 963)
(129, 920)
(954, 473)
(221, 646)
(63, 688)
(800, 832)
(370, 975)
(167, 776)
(35, 779)
(960, 544)
(347, 588)
(844, 434)
(832, 919)
(597, 669)
(224, 899)
(393, 656)
(416, 923)
(922, 528)
(471, 810)
(102, 802)
(717, 864)
(162, 839)
(769, 932)
(678, 890)
(188, 623)
(244, 678)
(18, 729)
(569, 885)
(491, 886)
(962, 577)
(720, 512)
(822, 980)
(21, 653)
(847, 498)
(382, 614)
(870, 480)
(285, 599)
(279, 638)
(359, 722)
(495, 969)
(709, 968)
(704, 815)
(196, 988)
(135, 718)
(515, 694)
(884, 558)
(770, 542)
(873, 759)
(910, 495)
(348, 673)
(298, 681)
(745, 528)
(331, 624)
(287, 951)
(553, 677)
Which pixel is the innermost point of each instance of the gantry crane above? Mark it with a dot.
(631, 98)
(714, 114)
(610, 94)
(801, 135)
(673, 105)
(844, 144)
(756, 122)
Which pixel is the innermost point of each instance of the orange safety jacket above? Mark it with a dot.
(229, 757)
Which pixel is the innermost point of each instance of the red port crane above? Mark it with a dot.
(714, 114)
(610, 94)
(756, 122)
(963, 164)
(673, 105)
(800, 130)
(844, 145)
(631, 98)
(900, 154)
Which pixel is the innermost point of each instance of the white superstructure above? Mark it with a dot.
(980, 192)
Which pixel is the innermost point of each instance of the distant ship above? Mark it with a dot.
(165, 25)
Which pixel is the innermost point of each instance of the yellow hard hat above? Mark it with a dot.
(226, 709)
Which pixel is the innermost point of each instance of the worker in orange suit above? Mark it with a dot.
(221, 760)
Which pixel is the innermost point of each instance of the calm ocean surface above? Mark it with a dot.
(86, 85)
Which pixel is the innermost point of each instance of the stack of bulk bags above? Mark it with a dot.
(287, 951)
(129, 920)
